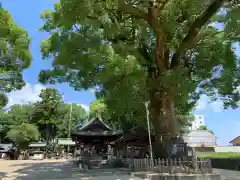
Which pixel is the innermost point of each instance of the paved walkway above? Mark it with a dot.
(63, 170)
(229, 175)
(49, 170)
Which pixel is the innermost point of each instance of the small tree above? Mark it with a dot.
(204, 127)
(22, 135)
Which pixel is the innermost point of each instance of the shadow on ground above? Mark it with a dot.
(2, 174)
(66, 170)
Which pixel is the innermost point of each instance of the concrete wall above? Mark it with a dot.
(227, 149)
(164, 176)
(198, 138)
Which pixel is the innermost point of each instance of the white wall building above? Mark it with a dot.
(198, 121)
(200, 138)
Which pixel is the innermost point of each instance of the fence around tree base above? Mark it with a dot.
(172, 166)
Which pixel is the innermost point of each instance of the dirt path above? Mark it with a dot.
(55, 169)
(13, 169)
(64, 170)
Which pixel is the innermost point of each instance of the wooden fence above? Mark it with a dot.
(172, 166)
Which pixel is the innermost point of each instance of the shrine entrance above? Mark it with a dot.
(97, 137)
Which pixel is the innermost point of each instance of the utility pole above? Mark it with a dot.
(69, 126)
(149, 132)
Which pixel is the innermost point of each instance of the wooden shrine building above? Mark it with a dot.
(137, 136)
(95, 134)
(136, 140)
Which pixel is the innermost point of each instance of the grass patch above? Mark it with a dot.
(220, 155)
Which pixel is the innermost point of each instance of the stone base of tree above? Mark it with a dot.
(179, 176)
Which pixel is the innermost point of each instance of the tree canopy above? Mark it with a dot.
(14, 53)
(99, 109)
(74, 115)
(23, 134)
(49, 118)
(167, 52)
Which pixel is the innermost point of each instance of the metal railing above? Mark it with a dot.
(172, 166)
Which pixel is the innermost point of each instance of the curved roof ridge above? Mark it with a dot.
(92, 121)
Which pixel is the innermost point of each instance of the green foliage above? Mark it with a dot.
(14, 53)
(3, 100)
(204, 127)
(220, 155)
(46, 111)
(78, 116)
(19, 114)
(133, 53)
(50, 115)
(23, 134)
(4, 124)
(99, 109)
(131, 119)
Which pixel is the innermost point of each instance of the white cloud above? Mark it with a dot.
(201, 104)
(86, 107)
(217, 106)
(205, 104)
(92, 90)
(29, 93)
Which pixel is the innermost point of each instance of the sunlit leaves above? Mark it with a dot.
(22, 135)
(93, 43)
(14, 53)
(3, 100)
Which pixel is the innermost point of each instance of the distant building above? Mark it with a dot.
(235, 141)
(200, 138)
(198, 121)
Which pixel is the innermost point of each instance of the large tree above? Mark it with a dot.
(125, 122)
(70, 115)
(99, 109)
(4, 124)
(46, 113)
(22, 135)
(14, 53)
(168, 52)
(19, 114)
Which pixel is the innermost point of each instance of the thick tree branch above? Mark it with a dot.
(195, 29)
(129, 9)
(163, 4)
(143, 50)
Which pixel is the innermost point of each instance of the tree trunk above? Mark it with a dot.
(47, 134)
(164, 120)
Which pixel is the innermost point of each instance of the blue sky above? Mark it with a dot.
(26, 13)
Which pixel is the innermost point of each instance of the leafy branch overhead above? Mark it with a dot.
(14, 53)
(168, 52)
